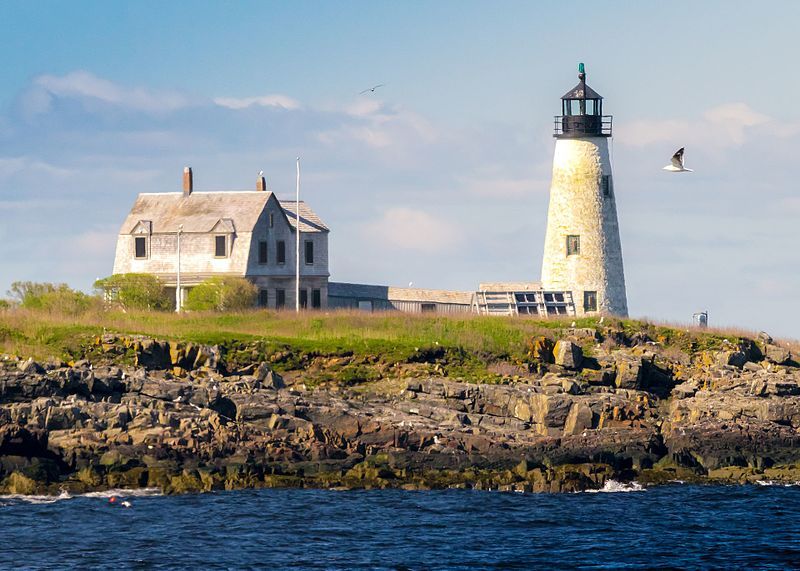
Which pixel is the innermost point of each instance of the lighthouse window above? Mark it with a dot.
(606, 185)
(573, 245)
(590, 301)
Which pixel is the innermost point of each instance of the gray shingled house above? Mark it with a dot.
(250, 234)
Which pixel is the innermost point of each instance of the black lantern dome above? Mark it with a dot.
(582, 112)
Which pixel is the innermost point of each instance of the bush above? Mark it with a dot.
(135, 291)
(4, 304)
(222, 294)
(53, 298)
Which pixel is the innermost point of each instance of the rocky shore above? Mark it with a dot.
(584, 407)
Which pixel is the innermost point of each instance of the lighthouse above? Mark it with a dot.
(582, 249)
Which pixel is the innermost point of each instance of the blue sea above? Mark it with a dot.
(679, 526)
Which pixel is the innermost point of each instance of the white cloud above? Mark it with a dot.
(723, 126)
(88, 87)
(504, 186)
(274, 100)
(10, 166)
(370, 122)
(790, 205)
(410, 229)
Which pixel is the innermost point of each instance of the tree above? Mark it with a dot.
(222, 294)
(135, 291)
(54, 298)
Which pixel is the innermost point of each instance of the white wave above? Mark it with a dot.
(38, 499)
(614, 486)
(123, 492)
(65, 495)
(776, 483)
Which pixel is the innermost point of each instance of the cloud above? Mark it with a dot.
(89, 88)
(723, 126)
(372, 123)
(404, 228)
(10, 166)
(275, 100)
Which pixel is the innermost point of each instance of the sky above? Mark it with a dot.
(439, 178)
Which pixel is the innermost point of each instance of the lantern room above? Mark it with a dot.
(582, 112)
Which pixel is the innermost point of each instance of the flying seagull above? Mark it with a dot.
(372, 89)
(677, 163)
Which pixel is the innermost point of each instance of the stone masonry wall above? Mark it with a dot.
(578, 207)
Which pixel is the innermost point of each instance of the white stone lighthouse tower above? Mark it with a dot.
(582, 250)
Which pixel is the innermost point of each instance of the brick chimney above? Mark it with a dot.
(261, 183)
(188, 186)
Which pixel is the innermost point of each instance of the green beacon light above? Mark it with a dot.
(580, 68)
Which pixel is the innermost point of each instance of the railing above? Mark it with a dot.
(582, 125)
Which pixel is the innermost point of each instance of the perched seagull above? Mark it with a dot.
(372, 89)
(677, 163)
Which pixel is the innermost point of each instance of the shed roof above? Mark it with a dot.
(365, 291)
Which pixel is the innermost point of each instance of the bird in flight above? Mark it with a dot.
(677, 163)
(372, 89)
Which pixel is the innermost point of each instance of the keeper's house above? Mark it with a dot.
(249, 234)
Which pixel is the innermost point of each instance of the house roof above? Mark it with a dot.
(309, 221)
(198, 212)
(206, 211)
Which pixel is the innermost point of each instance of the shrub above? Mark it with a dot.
(135, 291)
(222, 294)
(53, 298)
(4, 304)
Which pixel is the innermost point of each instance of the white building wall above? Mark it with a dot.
(579, 207)
(197, 254)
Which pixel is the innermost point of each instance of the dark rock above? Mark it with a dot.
(541, 349)
(568, 354)
(30, 367)
(268, 378)
(629, 374)
(152, 354)
(778, 355)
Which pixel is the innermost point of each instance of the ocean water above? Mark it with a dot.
(678, 526)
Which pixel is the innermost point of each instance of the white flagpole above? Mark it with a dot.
(297, 244)
(178, 297)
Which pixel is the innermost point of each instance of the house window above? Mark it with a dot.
(220, 246)
(304, 298)
(316, 298)
(140, 243)
(364, 305)
(573, 245)
(281, 252)
(263, 297)
(606, 185)
(309, 252)
(590, 301)
(280, 298)
(428, 308)
(271, 220)
(262, 252)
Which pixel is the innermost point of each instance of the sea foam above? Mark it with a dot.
(615, 486)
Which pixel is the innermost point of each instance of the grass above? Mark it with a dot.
(43, 334)
(464, 345)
